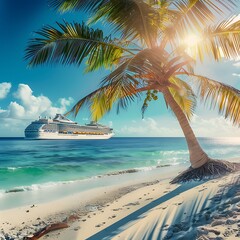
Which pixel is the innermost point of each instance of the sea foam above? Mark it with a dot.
(35, 187)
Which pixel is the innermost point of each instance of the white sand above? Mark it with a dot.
(163, 211)
(157, 210)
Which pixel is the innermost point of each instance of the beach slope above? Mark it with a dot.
(147, 210)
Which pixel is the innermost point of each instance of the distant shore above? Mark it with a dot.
(143, 204)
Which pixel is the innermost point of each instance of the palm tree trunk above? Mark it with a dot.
(197, 156)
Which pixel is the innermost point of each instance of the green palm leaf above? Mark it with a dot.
(72, 44)
(85, 101)
(121, 86)
(68, 5)
(221, 40)
(99, 102)
(133, 69)
(134, 19)
(226, 98)
(102, 100)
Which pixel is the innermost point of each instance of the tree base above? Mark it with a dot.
(211, 169)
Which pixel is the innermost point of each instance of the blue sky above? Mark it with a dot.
(27, 93)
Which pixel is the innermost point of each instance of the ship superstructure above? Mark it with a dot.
(61, 127)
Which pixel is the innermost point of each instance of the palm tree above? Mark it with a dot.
(147, 57)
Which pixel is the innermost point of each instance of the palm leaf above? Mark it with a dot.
(135, 19)
(177, 63)
(221, 40)
(102, 100)
(121, 86)
(153, 67)
(145, 63)
(221, 96)
(85, 101)
(68, 5)
(193, 15)
(99, 102)
(71, 44)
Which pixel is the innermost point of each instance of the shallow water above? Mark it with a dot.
(27, 165)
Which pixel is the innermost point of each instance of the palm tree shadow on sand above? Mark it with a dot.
(177, 222)
(117, 227)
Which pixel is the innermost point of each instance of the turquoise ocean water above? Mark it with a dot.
(31, 165)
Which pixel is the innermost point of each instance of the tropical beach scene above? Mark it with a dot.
(120, 119)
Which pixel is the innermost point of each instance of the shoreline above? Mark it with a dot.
(108, 190)
(102, 207)
(39, 186)
(60, 190)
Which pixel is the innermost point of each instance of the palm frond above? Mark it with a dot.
(221, 40)
(136, 20)
(85, 101)
(156, 66)
(194, 15)
(177, 63)
(72, 44)
(183, 95)
(121, 86)
(122, 83)
(69, 5)
(221, 96)
(145, 63)
(101, 104)
(102, 100)
(199, 12)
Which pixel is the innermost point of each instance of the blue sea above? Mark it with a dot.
(28, 165)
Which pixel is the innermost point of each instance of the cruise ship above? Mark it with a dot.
(61, 127)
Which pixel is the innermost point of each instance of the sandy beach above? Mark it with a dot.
(141, 208)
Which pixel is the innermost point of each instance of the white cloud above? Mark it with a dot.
(236, 74)
(4, 89)
(149, 127)
(2, 111)
(237, 64)
(28, 107)
(15, 110)
(214, 127)
(202, 127)
(64, 104)
(12, 127)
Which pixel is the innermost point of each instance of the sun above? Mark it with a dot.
(190, 44)
(191, 40)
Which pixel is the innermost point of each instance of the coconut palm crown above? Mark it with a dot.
(147, 55)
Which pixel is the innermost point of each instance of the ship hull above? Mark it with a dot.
(59, 136)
